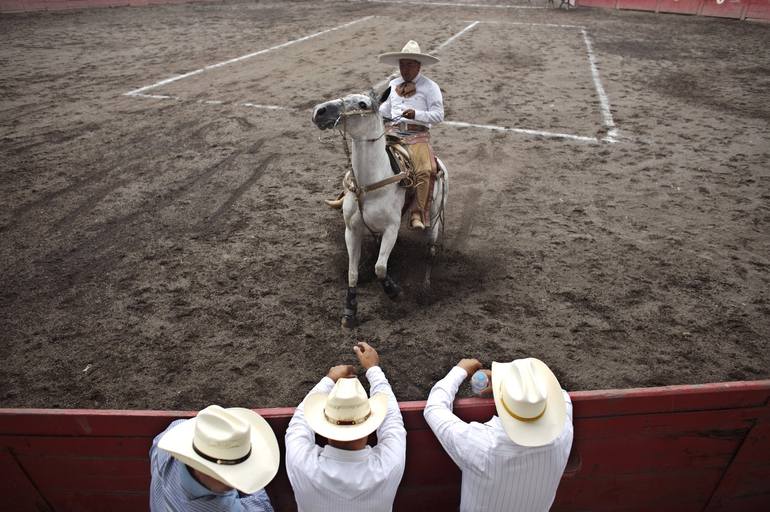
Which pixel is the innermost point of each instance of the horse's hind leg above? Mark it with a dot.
(389, 237)
(353, 243)
(436, 229)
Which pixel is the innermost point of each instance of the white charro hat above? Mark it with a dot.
(347, 413)
(411, 50)
(529, 401)
(236, 446)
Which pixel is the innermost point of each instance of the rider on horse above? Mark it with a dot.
(416, 106)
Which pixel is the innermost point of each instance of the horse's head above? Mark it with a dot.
(330, 113)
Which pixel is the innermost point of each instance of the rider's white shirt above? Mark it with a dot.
(427, 102)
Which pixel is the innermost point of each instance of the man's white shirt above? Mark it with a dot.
(329, 479)
(427, 102)
(498, 474)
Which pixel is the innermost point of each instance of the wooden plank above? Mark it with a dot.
(83, 501)
(94, 422)
(679, 6)
(88, 474)
(14, 483)
(426, 498)
(86, 422)
(759, 10)
(722, 395)
(641, 454)
(427, 464)
(722, 423)
(638, 5)
(80, 447)
(658, 491)
(723, 8)
(605, 4)
(745, 485)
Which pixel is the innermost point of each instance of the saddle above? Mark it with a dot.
(400, 161)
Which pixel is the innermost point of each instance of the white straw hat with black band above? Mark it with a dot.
(236, 446)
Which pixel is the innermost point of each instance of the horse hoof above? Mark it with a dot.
(349, 321)
(395, 294)
(392, 290)
(424, 297)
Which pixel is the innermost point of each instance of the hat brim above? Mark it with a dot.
(314, 415)
(392, 58)
(542, 430)
(250, 475)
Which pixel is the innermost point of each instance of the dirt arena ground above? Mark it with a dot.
(173, 251)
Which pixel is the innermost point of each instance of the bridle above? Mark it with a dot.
(353, 186)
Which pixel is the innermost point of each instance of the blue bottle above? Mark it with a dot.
(479, 382)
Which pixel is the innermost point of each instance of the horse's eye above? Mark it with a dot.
(362, 104)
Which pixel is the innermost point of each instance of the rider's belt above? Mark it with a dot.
(412, 127)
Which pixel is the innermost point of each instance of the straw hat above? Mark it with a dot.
(411, 50)
(236, 446)
(529, 401)
(347, 413)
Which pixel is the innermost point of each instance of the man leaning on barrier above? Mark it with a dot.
(218, 461)
(515, 460)
(347, 474)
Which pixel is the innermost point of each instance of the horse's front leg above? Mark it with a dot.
(389, 237)
(353, 243)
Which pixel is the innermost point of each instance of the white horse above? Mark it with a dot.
(377, 202)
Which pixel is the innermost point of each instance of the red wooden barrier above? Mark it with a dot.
(724, 8)
(758, 10)
(738, 9)
(680, 448)
(636, 5)
(679, 6)
(606, 4)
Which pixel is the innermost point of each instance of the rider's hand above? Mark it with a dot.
(469, 365)
(342, 371)
(409, 113)
(366, 354)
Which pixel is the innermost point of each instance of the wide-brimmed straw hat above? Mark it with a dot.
(347, 413)
(411, 50)
(529, 401)
(236, 446)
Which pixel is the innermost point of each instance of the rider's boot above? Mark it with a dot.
(336, 204)
(416, 220)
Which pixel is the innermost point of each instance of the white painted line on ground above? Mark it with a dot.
(529, 24)
(451, 4)
(156, 96)
(267, 107)
(540, 133)
(213, 102)
(466, 29)
(604, 102)
(237, 59)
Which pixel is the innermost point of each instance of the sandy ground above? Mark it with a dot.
(172, 253)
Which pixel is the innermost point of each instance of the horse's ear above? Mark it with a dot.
(385, 94)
